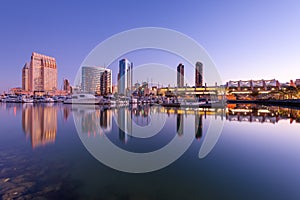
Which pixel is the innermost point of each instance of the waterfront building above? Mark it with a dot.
(106, 82)
(67, 86)
(180, 75)
(125, 77)
(96, 80)
(42, 73)
(199, 74)
(253, 85)
(25, 77)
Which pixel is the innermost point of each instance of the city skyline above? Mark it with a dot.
(246, 40)
(98, 79)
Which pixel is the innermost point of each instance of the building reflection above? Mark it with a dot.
(106, 120)
(39, 122)
(124, 119)
(261, 114)
(180, 123)
(198, 126)
(141, 115)
(66, 112)
(93, 120)
(241, 113)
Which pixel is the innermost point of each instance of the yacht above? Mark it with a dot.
(59, 99)
(11, 99)
(123, 101)
(49, 100)
(27, 99)
(82, 99)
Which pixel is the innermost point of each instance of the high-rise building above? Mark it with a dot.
(106, 82)
(25, 77)
(67, 86)
(96, 80)
(199, 74)
(42, 73)
(125, 77)
(180, 75)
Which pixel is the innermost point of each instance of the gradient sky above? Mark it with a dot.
(246, 39)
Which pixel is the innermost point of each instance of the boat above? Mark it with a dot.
(123, 101)
(59, 99)
(27, 100)
(49, 100)
(82, 99)
(12, 99)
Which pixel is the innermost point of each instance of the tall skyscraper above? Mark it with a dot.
(199, 74)
(96, 80)
(25, 77)
(42, 73)
(180, 76)
(106, 82)
(125, 77)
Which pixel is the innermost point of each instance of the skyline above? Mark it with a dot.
(246, 40)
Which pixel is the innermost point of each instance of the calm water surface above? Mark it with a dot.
(257, 155)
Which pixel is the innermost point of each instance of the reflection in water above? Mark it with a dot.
(92, 120)
(66, 112)
(141, 115)
(124, 121)
(12, 108)
(39, 122)
(106, 120)
(180, 124)
(262, 114)
(198, 126)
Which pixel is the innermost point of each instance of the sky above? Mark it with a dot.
(246, 39)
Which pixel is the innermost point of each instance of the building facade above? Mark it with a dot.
(25, 77)
(42, 73)
(67, 86)
(180, 75)
(199, 74)
(106, 82)
(96, 80)
(125, 77)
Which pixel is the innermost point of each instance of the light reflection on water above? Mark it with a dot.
(257, 155)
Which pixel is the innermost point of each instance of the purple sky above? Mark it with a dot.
(246, 39)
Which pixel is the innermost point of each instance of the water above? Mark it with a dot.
(256, 156)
